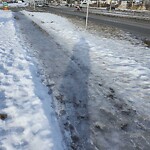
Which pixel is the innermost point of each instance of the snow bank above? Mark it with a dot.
(16, 5)
(31, 123)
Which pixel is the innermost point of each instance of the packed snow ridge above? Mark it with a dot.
(29, 121)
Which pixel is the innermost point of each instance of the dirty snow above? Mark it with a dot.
(124, 65)
(31, 122)
(15, 4)
(105, 82)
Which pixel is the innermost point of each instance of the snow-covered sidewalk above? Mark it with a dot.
(123, 65)
(127, 62)
(114, 82)
(30, 122)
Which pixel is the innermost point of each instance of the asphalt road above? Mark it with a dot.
(138, 27)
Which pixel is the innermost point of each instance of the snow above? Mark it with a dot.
(15, 4)
(124, 13)
(124, 65)
(31, 122)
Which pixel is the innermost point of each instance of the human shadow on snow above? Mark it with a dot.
(74, 89)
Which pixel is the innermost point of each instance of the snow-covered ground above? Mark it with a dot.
(123, 66)
(31, 123)
(129, 64)
(15, 4)
(109, 75)
(124, 13)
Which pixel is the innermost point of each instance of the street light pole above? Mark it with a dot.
(34, 4)
(100, 3)
(110, 5)
(87, 14)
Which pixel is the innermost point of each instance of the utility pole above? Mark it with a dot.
(110, 5)
(99, 3)
(34, 4)
(87, 14)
